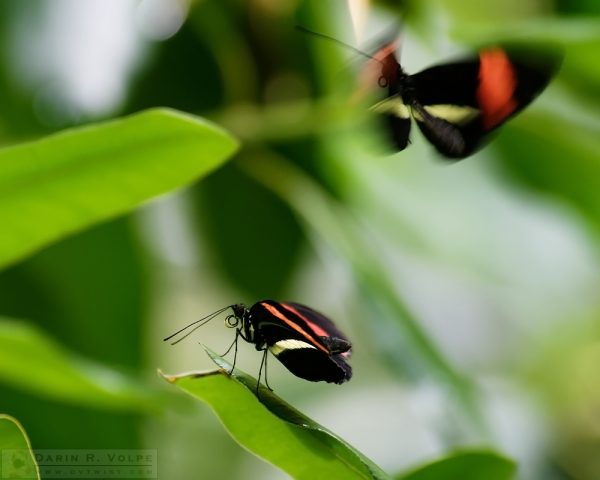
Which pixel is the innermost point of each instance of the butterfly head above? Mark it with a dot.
(240, 312)
(390, 71)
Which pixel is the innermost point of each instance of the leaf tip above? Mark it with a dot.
(164, 376)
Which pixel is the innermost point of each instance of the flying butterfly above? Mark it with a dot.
(458, 105)
(305, 341)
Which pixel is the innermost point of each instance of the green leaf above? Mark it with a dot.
(274, 430)
(473, 465)
(66, 182)
(16, 460)
(32, 361)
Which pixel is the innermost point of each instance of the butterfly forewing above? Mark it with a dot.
(295, 321)
(448, 84)
(315, 321)
(533, 70)
(275, 323)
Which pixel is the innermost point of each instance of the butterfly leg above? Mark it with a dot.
(266, 370)
(235, 342)
(263, 363)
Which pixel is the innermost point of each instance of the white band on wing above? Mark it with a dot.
(455, 114)
(392, 106)
(282, 345)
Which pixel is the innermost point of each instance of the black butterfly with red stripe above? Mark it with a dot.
(457, 105)
(305, 341)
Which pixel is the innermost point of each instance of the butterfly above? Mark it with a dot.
(458, 105)
(305, 341)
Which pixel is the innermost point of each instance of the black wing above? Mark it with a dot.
(446, 109)
(305, 341)
(396, 116)
(316, 321)
(458, 105)
(314, 365)
(277, 321)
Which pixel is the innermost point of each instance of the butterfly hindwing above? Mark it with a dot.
(397, 117)
(458, 105)
(312, 364)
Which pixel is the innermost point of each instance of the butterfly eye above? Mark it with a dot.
(232, 321)
(382, 81)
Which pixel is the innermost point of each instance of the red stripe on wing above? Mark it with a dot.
(497, 84)
(273, 311)
(316, 328)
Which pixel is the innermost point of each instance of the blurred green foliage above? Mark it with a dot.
(465, 465)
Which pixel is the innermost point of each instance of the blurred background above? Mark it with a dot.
(470, 290)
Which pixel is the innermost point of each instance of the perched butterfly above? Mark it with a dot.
(307, 343)
(457, 105)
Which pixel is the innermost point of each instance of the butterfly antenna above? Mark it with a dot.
(335, 40)
(197, 324)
